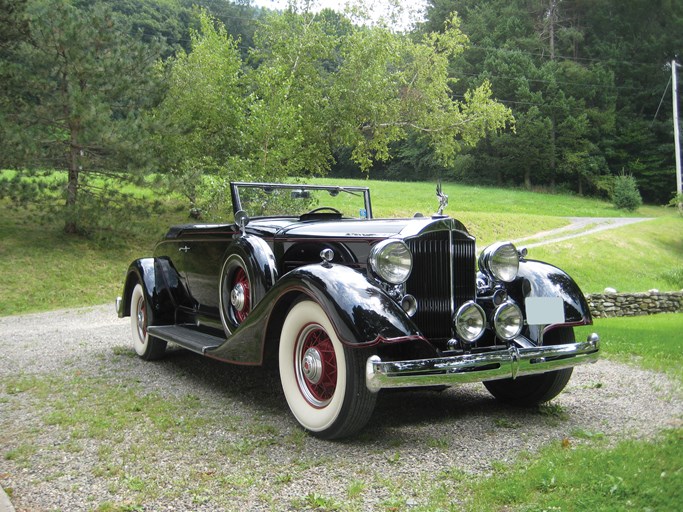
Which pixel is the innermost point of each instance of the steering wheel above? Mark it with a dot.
(324, 208)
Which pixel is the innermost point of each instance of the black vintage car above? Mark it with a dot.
(347, 305)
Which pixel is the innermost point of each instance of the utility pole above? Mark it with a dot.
(677, 141)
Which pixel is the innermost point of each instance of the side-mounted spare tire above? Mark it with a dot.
(248, 272)
(535, 389)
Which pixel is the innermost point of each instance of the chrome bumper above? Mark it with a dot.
(511, 363)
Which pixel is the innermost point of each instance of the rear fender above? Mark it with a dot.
(161, 285)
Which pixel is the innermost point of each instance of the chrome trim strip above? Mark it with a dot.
(511, 363)
(451, 271)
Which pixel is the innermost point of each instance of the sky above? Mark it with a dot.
(411, 10)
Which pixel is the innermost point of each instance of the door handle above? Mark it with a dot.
(184, 249)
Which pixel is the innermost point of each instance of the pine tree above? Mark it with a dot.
(74, 90)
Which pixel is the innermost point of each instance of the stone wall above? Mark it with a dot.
(634, 304)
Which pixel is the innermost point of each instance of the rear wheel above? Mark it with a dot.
(323, 381)
(146, 346)
(535, 389)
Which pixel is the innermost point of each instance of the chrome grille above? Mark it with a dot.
(443, 278)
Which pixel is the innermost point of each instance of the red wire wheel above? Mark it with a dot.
(236, 293)
(315, 365)
(240, 301)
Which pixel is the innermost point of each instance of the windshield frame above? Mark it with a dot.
(332, 189)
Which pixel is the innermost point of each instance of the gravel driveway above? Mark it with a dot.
(242, 450)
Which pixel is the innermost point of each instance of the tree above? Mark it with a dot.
(316, 84)
(76, 87)
(531, 53)
(202, 116)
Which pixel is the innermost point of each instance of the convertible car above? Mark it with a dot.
(347, 305)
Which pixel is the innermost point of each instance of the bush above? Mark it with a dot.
(677, 202)
(625, 194)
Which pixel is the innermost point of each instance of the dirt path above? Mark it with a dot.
(579, 226)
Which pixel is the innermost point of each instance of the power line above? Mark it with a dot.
(558, 57)
(538, 80)
(660, 102)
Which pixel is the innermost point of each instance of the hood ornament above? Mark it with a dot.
(443, 198)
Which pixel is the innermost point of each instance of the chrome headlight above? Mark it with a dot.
(500, 260)
(508, 320)
(391, 261)
(470, 321)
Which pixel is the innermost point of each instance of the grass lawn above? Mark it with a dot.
(633, 475)
(45, 269)
(653, 342)
(634, 258)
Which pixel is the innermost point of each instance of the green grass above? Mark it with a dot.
(634, 475)
(653, 342)
(391, 198)
(45, 269)
(634, 258)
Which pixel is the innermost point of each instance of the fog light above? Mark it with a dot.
(409, 305)
(470, 321)
(508, 321)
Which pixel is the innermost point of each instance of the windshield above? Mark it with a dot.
(275, 200)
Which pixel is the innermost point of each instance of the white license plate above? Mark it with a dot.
(544, 310)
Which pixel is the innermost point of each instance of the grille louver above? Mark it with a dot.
(433, 274)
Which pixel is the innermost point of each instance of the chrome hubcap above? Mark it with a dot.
(312, 366)
(237, 297)
(142, 328)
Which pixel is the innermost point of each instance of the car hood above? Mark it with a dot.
(360, 228)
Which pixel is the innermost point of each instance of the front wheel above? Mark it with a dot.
(146, 346)
(323, 381)
(535, 389)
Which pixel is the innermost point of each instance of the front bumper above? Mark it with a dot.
(511, 363)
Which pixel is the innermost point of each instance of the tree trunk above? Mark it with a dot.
(527, 179)
(553, 153)
(71, 225)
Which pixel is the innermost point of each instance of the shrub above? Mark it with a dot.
(677, 202)
(625, 194)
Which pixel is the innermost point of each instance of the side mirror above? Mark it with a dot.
(242, 219)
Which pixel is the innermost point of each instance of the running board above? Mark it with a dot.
(188, 338)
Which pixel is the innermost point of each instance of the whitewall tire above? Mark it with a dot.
(323, 381)
(146, 346)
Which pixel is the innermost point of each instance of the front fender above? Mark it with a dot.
(361, 313)
(539, 279)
